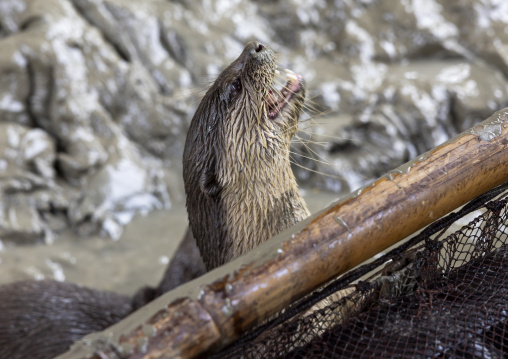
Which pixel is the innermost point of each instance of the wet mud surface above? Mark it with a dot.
(96, 97)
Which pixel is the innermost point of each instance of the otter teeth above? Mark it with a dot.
(291, 75)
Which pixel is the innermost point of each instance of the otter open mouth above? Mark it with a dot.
(276, 100)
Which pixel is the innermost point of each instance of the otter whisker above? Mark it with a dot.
(312, 108)
(293, 161)
(289, 152)
(323, 160)
(194, 92)
(315, 111)
(308, 141)
(313, 159)
(355, 140)
(315, 153)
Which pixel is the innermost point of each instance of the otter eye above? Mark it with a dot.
(235, 88)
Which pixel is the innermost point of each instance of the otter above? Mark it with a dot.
(240, 191)
(185, 265)
(239, 184)
(41, 319)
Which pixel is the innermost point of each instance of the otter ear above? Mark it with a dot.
(208, 182)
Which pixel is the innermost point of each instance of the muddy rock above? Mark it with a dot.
(27, 177)
(101, 114)
(407, 76)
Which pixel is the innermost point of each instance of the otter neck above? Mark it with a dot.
(259, 200)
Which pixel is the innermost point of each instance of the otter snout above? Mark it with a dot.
(257, 50)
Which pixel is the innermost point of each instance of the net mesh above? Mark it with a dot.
(442, 293)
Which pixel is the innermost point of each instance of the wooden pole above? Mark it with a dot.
(212, 311)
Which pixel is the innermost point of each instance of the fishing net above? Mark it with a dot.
(443, 294)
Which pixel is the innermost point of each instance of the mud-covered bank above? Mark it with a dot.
(96, 96)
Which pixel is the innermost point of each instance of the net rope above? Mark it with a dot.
(443, 293)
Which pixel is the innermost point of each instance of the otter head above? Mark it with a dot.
(238, 180)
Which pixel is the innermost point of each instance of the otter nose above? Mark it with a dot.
(256, 48)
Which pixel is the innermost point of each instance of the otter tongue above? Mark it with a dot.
(272, 99)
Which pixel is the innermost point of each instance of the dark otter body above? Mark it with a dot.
(238, 180)
(42, 319)
(185, 265)
(240, 191)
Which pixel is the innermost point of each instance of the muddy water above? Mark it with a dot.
(96, 96)
(138, 258)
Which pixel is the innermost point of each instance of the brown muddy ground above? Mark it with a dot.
(96, 97)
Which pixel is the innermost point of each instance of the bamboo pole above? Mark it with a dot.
(215, 309)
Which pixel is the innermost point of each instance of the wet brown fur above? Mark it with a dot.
(238, 179)
(41, 319)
